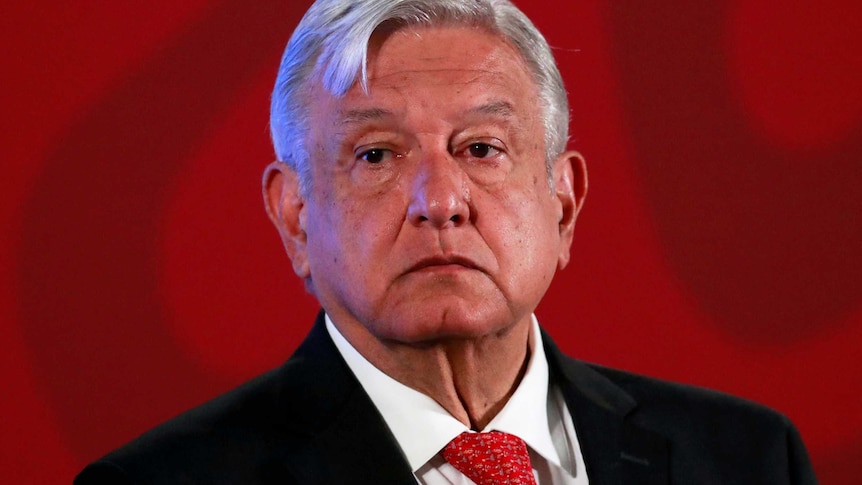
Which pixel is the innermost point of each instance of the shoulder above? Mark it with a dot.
(240, 435)
(657, 403)
(672, 406)
(708, 434)
(232, 432)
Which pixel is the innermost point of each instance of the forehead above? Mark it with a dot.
(429, 49)
(439, 67)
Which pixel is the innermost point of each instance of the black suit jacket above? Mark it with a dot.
(310, 422)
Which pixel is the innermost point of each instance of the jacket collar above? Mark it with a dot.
(345, 438)
(616, 449)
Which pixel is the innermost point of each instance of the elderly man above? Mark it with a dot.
(425, 196)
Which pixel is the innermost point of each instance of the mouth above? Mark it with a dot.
(441, 263)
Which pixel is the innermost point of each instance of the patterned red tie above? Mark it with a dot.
(492, 458)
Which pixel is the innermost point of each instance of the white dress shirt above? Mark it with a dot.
(535, 413)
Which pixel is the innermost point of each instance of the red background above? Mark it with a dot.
(719, 245)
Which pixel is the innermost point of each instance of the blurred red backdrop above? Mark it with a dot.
(719, 245)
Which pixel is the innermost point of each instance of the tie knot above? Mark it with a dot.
(491, 458)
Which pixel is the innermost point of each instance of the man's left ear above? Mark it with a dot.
(570, 188)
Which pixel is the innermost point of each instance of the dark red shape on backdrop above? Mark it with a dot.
(765, 237)
(89, 258)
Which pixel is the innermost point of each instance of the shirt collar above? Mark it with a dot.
(422, 427)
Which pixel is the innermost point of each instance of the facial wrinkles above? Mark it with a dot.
(420, 93)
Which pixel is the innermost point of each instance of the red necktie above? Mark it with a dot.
(493, 458)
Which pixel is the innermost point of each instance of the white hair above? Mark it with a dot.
(330, 44)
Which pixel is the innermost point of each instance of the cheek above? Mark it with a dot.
(523, 231)
(353, 235)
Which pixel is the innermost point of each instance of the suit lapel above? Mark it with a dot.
(616, 450)
(367, 451)
(348, 441)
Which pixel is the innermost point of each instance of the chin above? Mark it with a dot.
(446, 322)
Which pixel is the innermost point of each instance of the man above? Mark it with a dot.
(424, 195)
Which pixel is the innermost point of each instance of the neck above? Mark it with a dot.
(472, 379)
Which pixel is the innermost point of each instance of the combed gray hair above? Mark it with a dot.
(331, 44)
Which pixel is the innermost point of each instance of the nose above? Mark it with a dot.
(439, 196)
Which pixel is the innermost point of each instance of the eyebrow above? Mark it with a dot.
(495, 108)
(363, 115)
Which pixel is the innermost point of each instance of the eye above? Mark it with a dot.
(479, 150)
(482, 150)
(376, 155)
